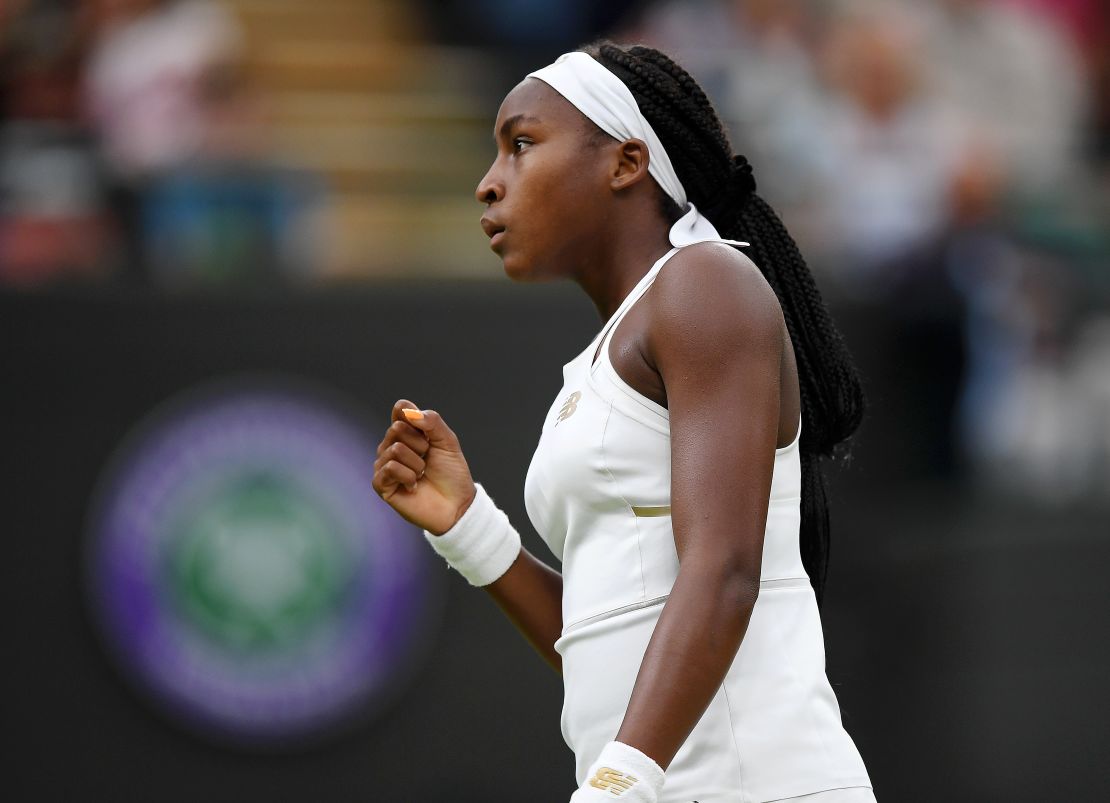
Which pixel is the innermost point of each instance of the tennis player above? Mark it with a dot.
(677, 476)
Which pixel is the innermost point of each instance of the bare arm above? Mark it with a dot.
(716, 337)
(531, 594)
(422, 474)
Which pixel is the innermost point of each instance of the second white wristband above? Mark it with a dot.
(621, 771)
(482, 544)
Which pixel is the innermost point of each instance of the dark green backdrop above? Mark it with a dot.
(966, 637)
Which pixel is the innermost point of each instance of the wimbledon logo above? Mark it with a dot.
(244, 572)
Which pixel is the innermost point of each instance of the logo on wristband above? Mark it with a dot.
(613, 781)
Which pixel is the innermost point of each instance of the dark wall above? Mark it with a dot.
(966, 638)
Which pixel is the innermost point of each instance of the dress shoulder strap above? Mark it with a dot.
(602, 340)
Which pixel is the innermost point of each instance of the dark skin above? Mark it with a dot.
(707, 341)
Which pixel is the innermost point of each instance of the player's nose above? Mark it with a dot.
(491, 188)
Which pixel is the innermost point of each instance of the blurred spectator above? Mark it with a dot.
(891, 156)
(1082, 20)
(754, 58)
(757, 59)
(846, 139)
(773, 98)
(704, 35)
(1011, 76)
(515, 25)
(182, 129)
(232, 223)
(40, 53)
(229, 214)
(141, 88)
(145, 79)
(54, 220)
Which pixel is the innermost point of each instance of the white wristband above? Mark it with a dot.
(621, 773)
(482, 545)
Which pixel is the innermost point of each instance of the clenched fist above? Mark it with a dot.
(421, 471)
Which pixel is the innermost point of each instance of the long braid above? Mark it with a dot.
(721, 185)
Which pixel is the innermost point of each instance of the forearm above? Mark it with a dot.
(531, 593)
(695, 641)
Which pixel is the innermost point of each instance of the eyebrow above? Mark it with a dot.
(512, 121)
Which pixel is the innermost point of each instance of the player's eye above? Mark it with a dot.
(519, 143)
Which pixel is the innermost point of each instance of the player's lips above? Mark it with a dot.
(494, 230)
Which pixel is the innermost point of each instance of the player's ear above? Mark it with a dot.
(630, 165)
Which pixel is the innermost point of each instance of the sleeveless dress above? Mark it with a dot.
(598, 493)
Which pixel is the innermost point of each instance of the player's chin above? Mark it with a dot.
(518, 267)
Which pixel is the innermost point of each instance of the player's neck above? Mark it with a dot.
(624, 255)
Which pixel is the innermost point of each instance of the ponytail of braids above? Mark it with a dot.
(832, 397)
(722, 186)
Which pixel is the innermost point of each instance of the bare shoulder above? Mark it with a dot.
(710, 296)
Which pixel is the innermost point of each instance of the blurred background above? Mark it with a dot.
(233, 232)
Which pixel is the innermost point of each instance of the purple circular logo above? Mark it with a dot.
(243, 570)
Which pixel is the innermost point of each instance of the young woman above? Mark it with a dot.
(676, 477)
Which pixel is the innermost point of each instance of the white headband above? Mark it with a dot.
(604, 99)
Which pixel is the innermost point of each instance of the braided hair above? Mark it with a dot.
(723, 188)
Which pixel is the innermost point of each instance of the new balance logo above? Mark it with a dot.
(569, 406)
(612, 781)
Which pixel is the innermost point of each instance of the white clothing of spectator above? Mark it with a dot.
(144, 79)
(889, 155)
(1013, 75)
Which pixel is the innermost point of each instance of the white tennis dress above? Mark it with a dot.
(598, 492)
